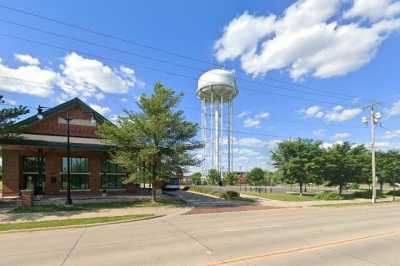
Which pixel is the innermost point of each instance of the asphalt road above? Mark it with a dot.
(309, 236)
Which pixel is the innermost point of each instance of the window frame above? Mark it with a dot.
(83, 186)
(118, 173)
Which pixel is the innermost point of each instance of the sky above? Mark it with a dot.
(304, 68)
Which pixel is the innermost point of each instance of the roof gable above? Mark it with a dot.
(76, 102)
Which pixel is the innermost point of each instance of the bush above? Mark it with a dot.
(231, 195)
(366, 194)
(354, 186)
(328, 196)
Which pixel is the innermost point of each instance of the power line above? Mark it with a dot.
(158, 70)
(111, 36)
(325, 94)
(105, 35)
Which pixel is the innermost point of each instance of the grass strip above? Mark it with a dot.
(72, 222)
(97, 206)
(282, 196)
(353, 204)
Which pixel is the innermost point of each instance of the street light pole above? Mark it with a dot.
(374, 120)
(373, 127)
(69, 199)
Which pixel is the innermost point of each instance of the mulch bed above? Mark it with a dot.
(218, 209)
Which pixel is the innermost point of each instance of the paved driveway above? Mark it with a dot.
(302, 236)
(196, 200)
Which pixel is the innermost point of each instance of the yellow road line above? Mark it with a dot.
(268, 255)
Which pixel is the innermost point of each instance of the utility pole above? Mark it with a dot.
(373, 120)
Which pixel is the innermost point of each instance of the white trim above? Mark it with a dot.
(62, 139)
(75, 190)
(78, 122)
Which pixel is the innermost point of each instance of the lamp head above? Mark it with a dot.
(364, 120)
(40, 112)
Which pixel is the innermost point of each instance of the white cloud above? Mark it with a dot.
(343, 115)
(373, 9)
(243, 114)
(251, 122)
(309, 38)
(251, 142)
(341, 136)
(245, 152)
(100, 109)
(27, 79)
(86, 77)
(394, 109)
(27, 59)
(77, 77)
(262, 115)
(336, 114)
(313, 111)
(391, 134)
(319, 133)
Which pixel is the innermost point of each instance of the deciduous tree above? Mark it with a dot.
(155, 143)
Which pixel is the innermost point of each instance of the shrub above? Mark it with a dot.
(354, 186)
(231, 195)
(328, 196)
(366, 194)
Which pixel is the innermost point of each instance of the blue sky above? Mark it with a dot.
(330, 57)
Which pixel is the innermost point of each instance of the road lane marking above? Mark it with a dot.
(249, 228)
(303, 249)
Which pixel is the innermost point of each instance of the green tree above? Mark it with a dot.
(388, 167)
(230, 179)
(298, 160)
(8, 116)
(195, 179)
(255, 177)
(214, 177)
(344, 163)
(154, 144)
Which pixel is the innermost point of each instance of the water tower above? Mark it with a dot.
(217, 89)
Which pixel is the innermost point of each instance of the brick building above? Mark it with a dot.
(38, 156)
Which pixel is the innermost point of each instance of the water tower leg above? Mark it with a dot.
(229, 136)
(221, 129)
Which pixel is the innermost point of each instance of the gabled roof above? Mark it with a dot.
(71, 103)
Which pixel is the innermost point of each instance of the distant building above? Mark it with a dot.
(38, 155)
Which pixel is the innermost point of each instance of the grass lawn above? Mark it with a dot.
(97, 206)
(69, 222)
(282, 196)
(355, 204)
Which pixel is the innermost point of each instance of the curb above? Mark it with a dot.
(79, 226)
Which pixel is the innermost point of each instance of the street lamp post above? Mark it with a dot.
(69, 199)
(374, 119)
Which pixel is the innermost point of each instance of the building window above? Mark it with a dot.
(112, 175)
(30, 173)
(79, 173)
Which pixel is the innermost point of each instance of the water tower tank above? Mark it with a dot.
(217, 83)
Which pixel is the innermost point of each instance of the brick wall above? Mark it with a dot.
(11, 172)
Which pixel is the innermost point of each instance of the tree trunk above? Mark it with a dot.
(340, 188)
(305, 187)
(153, 192)
(301, 188)
(381, 184)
